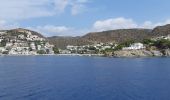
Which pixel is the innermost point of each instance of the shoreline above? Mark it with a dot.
(100, 55)
(90, 55)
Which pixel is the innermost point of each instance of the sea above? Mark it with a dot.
(84, 78)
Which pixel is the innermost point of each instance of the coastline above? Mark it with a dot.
(100, 55)
(116, 54)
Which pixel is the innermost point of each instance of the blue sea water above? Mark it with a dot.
(84, 78)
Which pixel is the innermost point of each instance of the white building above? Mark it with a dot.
(70, 47)
(9, 44)
(32, 45)
(135, 46)
(167, 37)
(106, 47)
(2, 49)
(21, 36)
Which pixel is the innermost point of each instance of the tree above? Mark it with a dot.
(3, 43)
(162, 44)
(41, 52)
(92, 48)
(128, 43)
(5, 52)
(56, 50)
(148, 41)
(124, 44)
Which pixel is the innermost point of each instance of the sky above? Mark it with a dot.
(78, 17)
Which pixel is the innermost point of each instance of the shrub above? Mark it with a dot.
(56, 50)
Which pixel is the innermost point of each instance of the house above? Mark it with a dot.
(9, 44)
(106, 47)
(2, 49)
(32, 45)
(21, 36)
(135, 46)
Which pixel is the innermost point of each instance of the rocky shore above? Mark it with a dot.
(142, 53)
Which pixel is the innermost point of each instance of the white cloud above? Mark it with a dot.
(101, 25)
(77, 8)
(124, 23)
(60, 5)
(51, 30)
(114, 23)
(4, 25)
(25, 9)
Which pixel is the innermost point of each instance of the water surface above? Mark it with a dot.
(84, 78)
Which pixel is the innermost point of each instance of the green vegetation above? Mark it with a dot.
(92, 48)
(3, 43)
(159, 44)
(15, 33)
(106, 51)
(118, 47)
(5, 52)
(148, 42)
(41, 52)
(124, 44)
(162, 44)
(56, 50)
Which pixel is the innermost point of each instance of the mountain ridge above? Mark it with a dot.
(119, 35)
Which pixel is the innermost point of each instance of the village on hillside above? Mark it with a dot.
(23, 43)
(158, 46)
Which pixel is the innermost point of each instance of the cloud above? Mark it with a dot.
(26, 9)
(60, 5)
(100, 25)
(4, 25)
(114, 23)
(51, 30)
(23, 9)
(78, 6)
(124, 23)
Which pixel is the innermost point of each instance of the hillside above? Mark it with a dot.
(24, 31)
(120, 35)
(161, 30)
(23, 42)
(62, 42)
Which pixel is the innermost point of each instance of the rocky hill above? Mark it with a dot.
(161, 30)
(62, 42)
(111, 36)
(118, 35)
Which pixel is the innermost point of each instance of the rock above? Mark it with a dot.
(133, 53)
(109, 54)
(147, 53)
(167, 52)
(157, 53)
